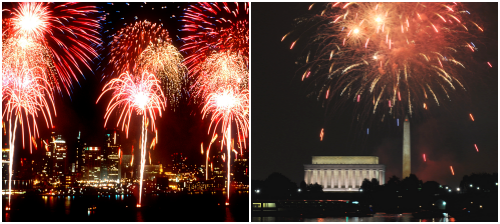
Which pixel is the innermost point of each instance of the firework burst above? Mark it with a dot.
(139, 94)
(26, 96)
(395, 57)
(225, 106)
(214, 27)
(220, 70)
(217, 47)
(67, 35)
(146, 46)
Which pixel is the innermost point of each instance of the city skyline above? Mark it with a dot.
(447, 134)
(99, 60)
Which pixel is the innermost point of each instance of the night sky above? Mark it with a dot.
(286, 124)
(180, 129)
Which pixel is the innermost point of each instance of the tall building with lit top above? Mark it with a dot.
(80, 148)
(110, 166)
(91, 168)
(58, 156)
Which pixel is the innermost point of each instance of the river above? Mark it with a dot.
(122, 208)
(378, 217)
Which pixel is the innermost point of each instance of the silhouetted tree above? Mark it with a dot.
(302, 187)
(277, 186)
(411, 183)
(314, 191)
(486, 182)
(430, 187)
(393, 184)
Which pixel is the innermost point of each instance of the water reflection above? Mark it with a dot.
(378, 217)
(67, 203)
(47, 208)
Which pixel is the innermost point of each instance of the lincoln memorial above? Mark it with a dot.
(343, 173)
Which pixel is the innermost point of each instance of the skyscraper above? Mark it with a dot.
(110, 166)
(59, 156)
(92, 164)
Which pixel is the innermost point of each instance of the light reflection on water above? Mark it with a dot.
(378, 217)
(88, 208)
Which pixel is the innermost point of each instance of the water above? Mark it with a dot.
(122, 208)
(378, 217)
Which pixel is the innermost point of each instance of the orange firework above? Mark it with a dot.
(452, 172)
(387, 55)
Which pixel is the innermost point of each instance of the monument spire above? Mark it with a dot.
(406, 148)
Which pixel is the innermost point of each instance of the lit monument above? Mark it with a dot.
(343, 173)
(406, 148)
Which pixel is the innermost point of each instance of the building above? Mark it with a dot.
(126, 166)
(58, 155)
(80, 150)
(110, 165)
(343, 173)
(91, 164)
(152, 171)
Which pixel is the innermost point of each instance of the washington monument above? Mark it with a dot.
(406, 148)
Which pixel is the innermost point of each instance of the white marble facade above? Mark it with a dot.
(343, 177)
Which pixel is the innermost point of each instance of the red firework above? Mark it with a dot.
(129, 42)
(219, 27)
(140, 94)
(67, 32)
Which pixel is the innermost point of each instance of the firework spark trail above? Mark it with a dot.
(208, 153)
(25, 95)
(406, 47)
(224, 77)
(146, 46)
(142, 95)
(68, 33)
(228, 105)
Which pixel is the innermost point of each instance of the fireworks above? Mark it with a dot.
(217, 40)
(228, 105)
(57, 37)
(452, 172)
(391, 56)
(217, 46)
(26, 96)
(222, 69)
(146, 46)
(215, 27)
(142, 95)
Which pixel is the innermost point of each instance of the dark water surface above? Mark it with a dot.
(378, 217)
(122, 208)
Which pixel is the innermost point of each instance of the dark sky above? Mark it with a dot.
(180, 129)
(286, 124)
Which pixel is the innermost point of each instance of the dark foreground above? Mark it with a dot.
(122, 208)
(378, 217)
